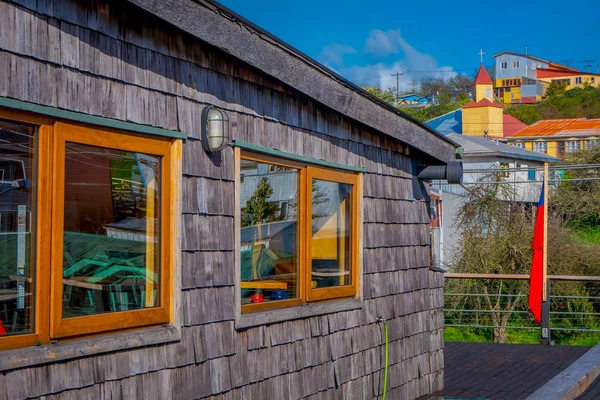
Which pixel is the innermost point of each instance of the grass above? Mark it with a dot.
(463, 335)
(589, 235)
(519, 336)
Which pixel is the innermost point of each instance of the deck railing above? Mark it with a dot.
(498, 302)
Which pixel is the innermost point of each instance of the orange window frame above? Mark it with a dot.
(49, 164)
(40, 271)
(337, 291)
(306, 173)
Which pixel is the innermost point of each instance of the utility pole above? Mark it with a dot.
(397, 75)
(589, 64)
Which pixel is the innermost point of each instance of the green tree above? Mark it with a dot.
(526, 113)
(259, 209)
(578, 201)
(389, 96)
(460, 83)
(555, 89)
(574, 103)
(462, 97)
(435, 85)
(495, 238)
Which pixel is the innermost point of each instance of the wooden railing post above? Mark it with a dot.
(545, 340)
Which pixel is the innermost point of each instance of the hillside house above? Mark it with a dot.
(523, 79)
(556, 137)
(192, 208)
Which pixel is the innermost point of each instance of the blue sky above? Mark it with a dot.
(367, 41)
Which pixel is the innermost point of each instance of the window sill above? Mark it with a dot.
(250, 320)
(68, 350)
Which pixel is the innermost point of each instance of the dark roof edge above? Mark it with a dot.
(204, 20)
(540, 158)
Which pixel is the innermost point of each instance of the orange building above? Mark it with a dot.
(556, 137)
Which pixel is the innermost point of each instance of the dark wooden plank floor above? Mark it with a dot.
(503, 371)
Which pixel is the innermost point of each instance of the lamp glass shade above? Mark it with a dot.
(217, 130)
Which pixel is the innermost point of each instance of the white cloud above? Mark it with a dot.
(412, 63)
(333, 54)
(383, 44)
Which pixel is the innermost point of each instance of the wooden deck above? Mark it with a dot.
(503, 371)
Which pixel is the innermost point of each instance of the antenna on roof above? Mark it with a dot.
(589, 64)
(526, 49)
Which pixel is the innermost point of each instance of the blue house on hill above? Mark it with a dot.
(414, 99)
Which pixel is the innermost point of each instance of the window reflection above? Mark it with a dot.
(269, 232)
(331, 246)
(17, 225)
(111, 231)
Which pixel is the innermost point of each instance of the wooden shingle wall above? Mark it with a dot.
(105, 59)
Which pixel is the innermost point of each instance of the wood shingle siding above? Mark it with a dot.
(113, 60)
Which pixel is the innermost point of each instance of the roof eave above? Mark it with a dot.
(540, 158)
(228, 31)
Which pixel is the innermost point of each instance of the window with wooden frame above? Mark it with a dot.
(299, 232)
(85, 229)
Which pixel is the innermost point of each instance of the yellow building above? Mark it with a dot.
(570, 79)
(482, 116)
(558, 136)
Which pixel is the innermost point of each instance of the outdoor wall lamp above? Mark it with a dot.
(215, 130)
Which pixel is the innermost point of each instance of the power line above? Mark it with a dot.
(527, 181)
(541, 168)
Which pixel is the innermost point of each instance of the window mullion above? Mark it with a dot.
(306, 224)
(44, 240)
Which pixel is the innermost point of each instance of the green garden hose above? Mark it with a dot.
(387, 355)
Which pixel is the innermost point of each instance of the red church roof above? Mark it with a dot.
(481, 103)
(483, 78)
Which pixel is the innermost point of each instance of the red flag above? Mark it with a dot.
(537, 264)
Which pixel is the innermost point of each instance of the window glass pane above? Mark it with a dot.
(17, 227)
(111, 231)
(330, 239)
(269, 232)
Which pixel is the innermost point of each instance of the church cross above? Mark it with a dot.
(481, 53)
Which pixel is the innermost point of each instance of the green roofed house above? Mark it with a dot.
(191, 208)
